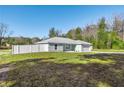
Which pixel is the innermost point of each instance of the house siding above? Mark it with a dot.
(86, 48)
(43, 47)
(72, 47)
(52, 47)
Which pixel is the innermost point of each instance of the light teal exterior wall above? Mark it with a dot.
(51, 47)
(61, 47)
(72, 47)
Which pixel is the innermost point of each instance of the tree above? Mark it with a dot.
(63, 35)
(89, 34)
(111, 36)
(69, 34)
(58, 33)
(102, 34)
(78, 33)
(102, 25)
(35, 39)
(122, 31)
(117, 23)
(118, 26)
(54, 33)
(75, 34)
(3, 32)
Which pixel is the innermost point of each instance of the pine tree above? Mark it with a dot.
(52, 32)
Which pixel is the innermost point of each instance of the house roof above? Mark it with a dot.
(61, 40)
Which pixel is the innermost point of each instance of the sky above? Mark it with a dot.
(35, 21)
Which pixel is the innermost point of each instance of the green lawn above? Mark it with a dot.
(56, 57)
(108, 50)
(5, 52)
(61, 69)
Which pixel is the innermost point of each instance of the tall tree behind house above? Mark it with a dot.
(55, 33)
(118, 26)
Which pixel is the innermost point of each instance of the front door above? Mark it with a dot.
(55, 46)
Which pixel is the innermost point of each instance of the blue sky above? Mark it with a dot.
(35, 21)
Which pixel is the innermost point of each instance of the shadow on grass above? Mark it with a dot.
(36, 73)
(105, 56)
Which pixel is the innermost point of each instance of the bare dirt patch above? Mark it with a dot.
(37, 73)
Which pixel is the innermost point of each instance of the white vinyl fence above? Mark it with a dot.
(20, 49)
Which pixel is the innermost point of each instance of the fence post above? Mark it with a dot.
(12, 50)
(38, 47)
(31, 48)
(18, 49)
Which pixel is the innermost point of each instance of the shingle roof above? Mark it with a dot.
(61, 40)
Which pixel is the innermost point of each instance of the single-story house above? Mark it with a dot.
(60, 44)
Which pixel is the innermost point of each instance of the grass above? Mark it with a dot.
(62, 69)
(56, 57)
(5, 52)
(108, 50)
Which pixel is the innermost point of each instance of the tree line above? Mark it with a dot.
(6, 40)
(103, 35)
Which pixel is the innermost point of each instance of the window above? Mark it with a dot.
(67, 46)
(55, 46)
